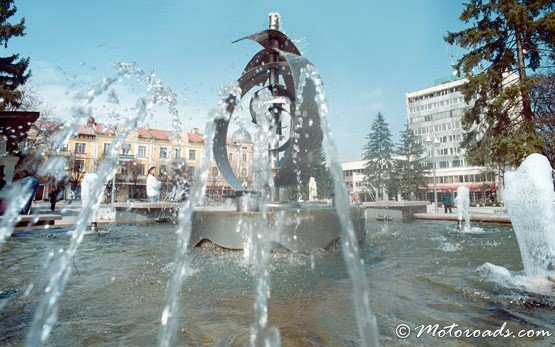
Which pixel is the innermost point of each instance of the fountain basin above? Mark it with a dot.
(145, 212)
(421, 272)
(298, 228)
(394, 210)
(301, 229)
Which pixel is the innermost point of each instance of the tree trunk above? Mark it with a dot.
(527, 114)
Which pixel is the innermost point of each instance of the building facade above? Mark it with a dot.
(435, 113)
(177, 156)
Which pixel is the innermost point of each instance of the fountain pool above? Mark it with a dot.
(419, 273)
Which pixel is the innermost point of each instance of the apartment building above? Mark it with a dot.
(434, 113)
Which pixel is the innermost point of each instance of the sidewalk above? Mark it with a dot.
(70, 213)
(477, 214)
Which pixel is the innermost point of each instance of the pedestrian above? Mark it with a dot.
(153, 185)
(33, 185)
(53, 197)
(447, 200)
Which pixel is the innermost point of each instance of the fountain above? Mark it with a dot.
(530, 199)
(462, 202)
(287, 101)
(87, 186)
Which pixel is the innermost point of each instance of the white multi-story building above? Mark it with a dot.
(435, 113)
(353, 175)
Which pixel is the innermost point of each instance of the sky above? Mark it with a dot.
(368, 53)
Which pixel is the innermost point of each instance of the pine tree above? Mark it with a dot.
(543, 101)
(505, 41)
(409, 171)
(377, 154)
(322, 175)
(13, 70)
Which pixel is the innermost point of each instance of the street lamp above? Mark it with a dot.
(433, 143)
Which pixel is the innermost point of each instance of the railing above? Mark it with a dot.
(125, 157)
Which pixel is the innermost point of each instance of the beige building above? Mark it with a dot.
(177, 157)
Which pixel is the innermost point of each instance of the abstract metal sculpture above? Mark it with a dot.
(277, 69)
(278, 61)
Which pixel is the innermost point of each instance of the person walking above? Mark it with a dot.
(447, 200)
(153, 185)
(53, 197)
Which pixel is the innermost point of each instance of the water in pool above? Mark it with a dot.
(420, 273)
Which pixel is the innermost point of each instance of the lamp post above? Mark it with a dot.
(433, 143)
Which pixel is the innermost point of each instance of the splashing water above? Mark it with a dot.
(45, 316)
(367, 324)
(462, 201)
(261, 333)
(171, 309)
(529, 197)
(17, 196)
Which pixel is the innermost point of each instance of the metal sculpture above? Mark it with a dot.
(279, 60)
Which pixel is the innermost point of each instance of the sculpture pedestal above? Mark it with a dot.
(297, 229)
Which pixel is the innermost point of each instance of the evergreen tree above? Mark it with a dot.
(543, 101)
(409, 170)
(13, 70)
(505, 41)
(322, 175)
(377, 154)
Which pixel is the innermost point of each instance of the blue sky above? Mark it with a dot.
(368, 53)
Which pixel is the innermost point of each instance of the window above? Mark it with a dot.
(191, 171)
(215, 171)
(192, 154)
(177, 153)
(141, 169)
(79, 165)
(80, 147)
(141, 152)
(106, 149)
(163, 152)
(163, 170)
(125, 149)
(244, 157)
(230, 156)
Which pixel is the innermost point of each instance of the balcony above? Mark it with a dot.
(126, 157)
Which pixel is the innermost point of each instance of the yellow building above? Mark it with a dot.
(177, 157)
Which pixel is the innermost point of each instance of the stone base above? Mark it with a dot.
(148, 212)
(302, 229)
(394, 210)
(36, 221)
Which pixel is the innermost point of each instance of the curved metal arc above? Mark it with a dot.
(308, 132)
(265, 37)
(255, 76)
